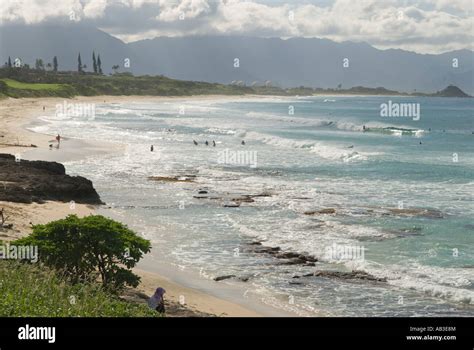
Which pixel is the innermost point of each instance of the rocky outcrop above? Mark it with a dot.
(229, 200)
(226, 277)
(286, 258)
(322, 211)
(352, 275)
(27, 181)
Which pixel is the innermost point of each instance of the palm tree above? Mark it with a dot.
(99, 65)
(79, 63)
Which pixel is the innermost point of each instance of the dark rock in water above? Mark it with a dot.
(231, 205)
(225, 277)
(243, 199)
(357, 275)
(290, 258)
(322, 211)
(288, 255)
(244, 278)
(27, 181)
(295, 261)
(257, 247)
(302, 257)
(202, 192)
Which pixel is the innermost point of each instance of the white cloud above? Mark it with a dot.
(94, 9)
(419, 25)
(32, 11)
(185, 10)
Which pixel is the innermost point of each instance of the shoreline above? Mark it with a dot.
(18, 114)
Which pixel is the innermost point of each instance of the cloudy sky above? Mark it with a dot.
(427, 26)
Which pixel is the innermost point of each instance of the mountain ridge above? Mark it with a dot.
(289, 62)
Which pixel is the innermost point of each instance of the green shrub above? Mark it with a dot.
(90, 247)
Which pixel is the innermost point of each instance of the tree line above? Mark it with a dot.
(40, 64)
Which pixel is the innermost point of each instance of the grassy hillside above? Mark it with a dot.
(32, 290)
(29, 83)
(23, 82)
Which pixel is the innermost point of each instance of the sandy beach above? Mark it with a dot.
(15, 116)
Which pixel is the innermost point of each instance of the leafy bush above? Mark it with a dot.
(90, 247)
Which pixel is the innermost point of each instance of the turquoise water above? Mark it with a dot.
(401, 189)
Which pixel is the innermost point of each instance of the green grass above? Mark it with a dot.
(13, 88)
(31, 86)
(30, 290)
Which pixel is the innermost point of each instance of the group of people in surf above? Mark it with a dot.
(213, 143)
(152, 148)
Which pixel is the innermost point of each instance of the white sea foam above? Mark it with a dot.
(278, 219)
(442, 282)
(319, 148)
(221, 131)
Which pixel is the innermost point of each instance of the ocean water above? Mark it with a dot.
(400, 192)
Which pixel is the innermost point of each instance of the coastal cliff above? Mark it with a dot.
(25, 181)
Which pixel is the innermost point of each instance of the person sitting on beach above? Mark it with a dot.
(243, 143)
(195, 143)
(151, 148)
(207, 143)
(213, 143)
(157, 302)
